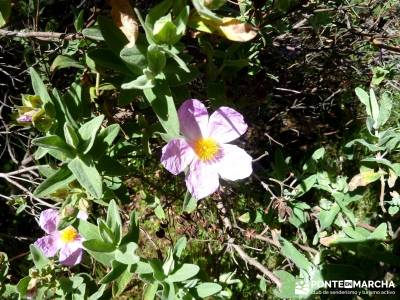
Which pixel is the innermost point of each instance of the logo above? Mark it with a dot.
(348, 284)
(306, 287)
(301, 288)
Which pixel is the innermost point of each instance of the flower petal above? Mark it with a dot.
(71, 253)
(193, 119)
(226, 125)
(48, 220)
(235, 164)
(202, 179)
(83, 215)
(177, 155)
(48, 245)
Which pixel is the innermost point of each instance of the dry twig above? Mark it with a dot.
(45, 36)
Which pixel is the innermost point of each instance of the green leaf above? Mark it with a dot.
(157, 267)
(185, 272)
(99, 293)
(207, 289)
(318, 154)
(133, 233)
(385, 109)
(113, 217)
(105, 58)
(93, 33)
(38, 257)
(79, 21)
(382, 161)
(88, 132)
(326, 217)
(156, 59)
(126, 254)
(142, 82)
(62, 61)
(88, 230)
(121, 283)
(70, 135)
(157, 12)
(189, 203)
(204, 11)
(22, 286)
(88, 176)
(392, 210)
(374, 107)
(161, 101)
(98, 246)
(150, 291)
(56, 143)
(5, 11)
(182, 20)
(364, 98)
(107, 235)
(370, 147)
(77, 100)
(135, 58)
(287, 288)
(289, 251)
(142, 268)
(39, 87)
(159, 212)
(177, 76)
(116, 271)
(180, 245)
(165, 31)
(58, 180)
(171, 51)
(113, 36)
(379, 75)
(380, 233)
(169, 263)
(105, 258)
(109, 133)
(307, 184)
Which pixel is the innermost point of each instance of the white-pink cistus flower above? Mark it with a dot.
(204, 148)
(68, 241)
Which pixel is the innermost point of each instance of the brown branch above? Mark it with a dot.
(250, 260)
(22, 188)
(45, 36)
(255, 263)
(381, 45)
(382, 194)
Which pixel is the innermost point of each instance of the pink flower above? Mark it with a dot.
(205, 149)
(67, 241)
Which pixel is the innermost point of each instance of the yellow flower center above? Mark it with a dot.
(68, 235)
(206, 148)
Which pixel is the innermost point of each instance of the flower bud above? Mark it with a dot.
(69, 211)
(32, 283)
(84, 204)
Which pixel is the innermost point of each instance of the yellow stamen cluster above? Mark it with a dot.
(68, 235)
(206, 148)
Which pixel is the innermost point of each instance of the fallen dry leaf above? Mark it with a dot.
(124, 17)
(328, 240)
(365, 177)
(237, 31)
(392, 178)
